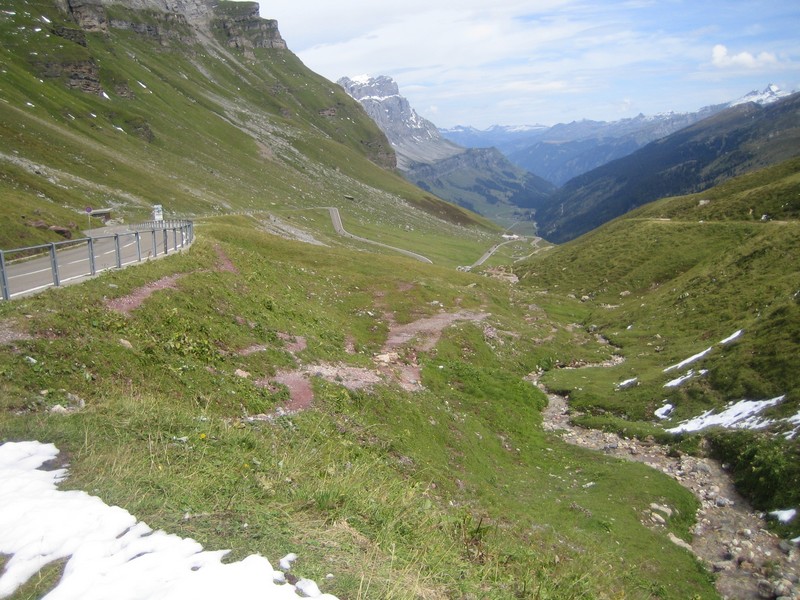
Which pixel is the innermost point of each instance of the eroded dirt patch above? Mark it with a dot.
(223, 262)
(134, 300)
(397, 362)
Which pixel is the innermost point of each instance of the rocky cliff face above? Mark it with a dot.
(236, 24)
(415, 140)
(243, 28)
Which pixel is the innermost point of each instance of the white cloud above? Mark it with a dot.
(724, 60)
(515, 61)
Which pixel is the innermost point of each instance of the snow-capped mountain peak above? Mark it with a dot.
(769, 94)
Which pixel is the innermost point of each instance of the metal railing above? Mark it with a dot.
(28, 270)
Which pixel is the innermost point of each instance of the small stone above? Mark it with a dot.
(125, 343)
(783, 588)
(664, 510)
(701, 467)
(657, 518)
(679, 542)
(748, 567)
(765, 589)
(58, 410)
(723, 565)
(241, 373)
(786, 547)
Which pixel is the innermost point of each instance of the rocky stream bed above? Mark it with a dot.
(729, 537)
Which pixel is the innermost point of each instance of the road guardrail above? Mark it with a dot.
(34, 268)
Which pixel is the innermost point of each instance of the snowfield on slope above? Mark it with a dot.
(110, 553)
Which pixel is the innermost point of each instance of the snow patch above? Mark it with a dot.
(689, 360)
(689, 374)
(784, 516)
(731, 337)
(627, 383)
(665, 411)
(741, 415)
(111, 554)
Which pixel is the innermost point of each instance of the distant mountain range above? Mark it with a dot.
(604, 168)
(480, 179)
(737, 140)
(563, 151)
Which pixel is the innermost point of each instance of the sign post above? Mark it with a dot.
(88, 216)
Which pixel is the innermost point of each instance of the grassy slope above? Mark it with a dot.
(483, 502)
(200, 130)
(677, 276)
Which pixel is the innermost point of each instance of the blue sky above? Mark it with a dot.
(515, 62)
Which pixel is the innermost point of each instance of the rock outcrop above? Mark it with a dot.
(414, 139)
(244, 29)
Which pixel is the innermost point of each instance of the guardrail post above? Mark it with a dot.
(92, 267)
(54, 264)
(117, 250)
(3, 277)
(137, 237)
(166, 242)
(155, 246)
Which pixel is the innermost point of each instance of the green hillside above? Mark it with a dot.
(675, 277)
(164, 117)
(733, 142)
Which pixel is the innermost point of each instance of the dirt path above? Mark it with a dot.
(729, 537)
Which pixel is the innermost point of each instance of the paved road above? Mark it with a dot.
(336, 219)
(74, 263)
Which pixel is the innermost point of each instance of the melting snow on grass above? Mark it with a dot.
(689, 374)
(689, 360)
(665, 411)
(741, 415)
(627, 383)
(700, 355)
(111, 554)
(793, 420)
(784, 516)
(731, 337)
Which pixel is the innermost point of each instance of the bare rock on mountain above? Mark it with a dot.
(415, 140)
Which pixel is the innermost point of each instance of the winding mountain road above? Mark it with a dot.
(336, 219)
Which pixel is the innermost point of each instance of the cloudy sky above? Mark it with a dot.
(514, 62)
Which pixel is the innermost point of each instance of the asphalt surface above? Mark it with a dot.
(29, 275)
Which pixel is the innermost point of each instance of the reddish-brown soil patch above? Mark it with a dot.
(294, 343)
(427, 330)
(300, 392)
(390, 365)
(134, 300)
(223, 262)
